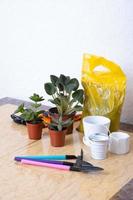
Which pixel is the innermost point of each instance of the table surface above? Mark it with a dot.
(38, 183)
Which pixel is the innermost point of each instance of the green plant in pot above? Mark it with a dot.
(57, 129)
(31, 116)
(66, 96)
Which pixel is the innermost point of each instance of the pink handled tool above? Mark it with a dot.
(35, 163)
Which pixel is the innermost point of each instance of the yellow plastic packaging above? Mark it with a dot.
(104, 84)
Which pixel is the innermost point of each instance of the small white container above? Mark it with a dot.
(99, 145)
(95, 124)
(119, 143)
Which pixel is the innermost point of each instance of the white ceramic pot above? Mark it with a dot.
(95, 124)
(119, 142)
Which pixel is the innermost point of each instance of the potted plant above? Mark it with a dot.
(31, 116)
(57, 129)
(66, 96)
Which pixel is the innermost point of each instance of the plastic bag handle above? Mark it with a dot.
(96, 61)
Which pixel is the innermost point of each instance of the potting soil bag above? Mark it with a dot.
(104, 84)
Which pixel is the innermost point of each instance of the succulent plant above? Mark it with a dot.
(65, 93)
(57, 124)
(31, 114)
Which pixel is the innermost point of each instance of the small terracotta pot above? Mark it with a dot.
(53, 112)
(57, 138)
(34, 131)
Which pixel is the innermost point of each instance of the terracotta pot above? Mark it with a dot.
(57, 138)
(34, 131)
(54, 112)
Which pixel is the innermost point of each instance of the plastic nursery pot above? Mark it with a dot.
(34, 130)
(57, 138)
(53, 112)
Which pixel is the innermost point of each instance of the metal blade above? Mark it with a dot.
(85, 163)
(91, 168)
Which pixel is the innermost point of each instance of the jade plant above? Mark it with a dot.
(32, 113)
(65, 93)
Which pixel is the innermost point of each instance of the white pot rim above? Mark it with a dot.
(99, 137)
(98, 119)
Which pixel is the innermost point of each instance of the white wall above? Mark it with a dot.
(43, 37)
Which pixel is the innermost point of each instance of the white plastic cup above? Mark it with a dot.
(119, 143)
(99, 146)
(95, 124)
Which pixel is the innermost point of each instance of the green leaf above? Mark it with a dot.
(52, 101)
(53, 127)
(55, 120)
(74, 109)
(55, 101)
(72, 85)
(59, 108)
(67, 122)
(49, 88)
(36, 105)
(72, 101)
(67, 80)
(20, 109)
(36, 98)
(28, 115)
(54, 79)
(66, 125)
(78, 108)
(53, 124)
(39, 112)
(60, 118)
(59, 127)
(60, 86)
(64, 103)
(62, 79)
(78, 95)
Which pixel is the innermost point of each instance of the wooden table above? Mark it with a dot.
(24, 182)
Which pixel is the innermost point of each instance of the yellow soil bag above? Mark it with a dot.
(104, 84)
